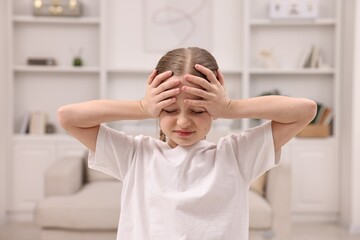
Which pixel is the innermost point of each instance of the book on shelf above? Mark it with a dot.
(323, 116)
(312, 58)
(24, 129)
(305, 59)
(321, 125)
(37, 122)
(326, 116)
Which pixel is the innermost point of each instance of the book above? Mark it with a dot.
(24, 129)
(329, 118)
(319, 114)
(315, 57)
(37, 122)
(319, 106)
(307, 59)
(325, 115)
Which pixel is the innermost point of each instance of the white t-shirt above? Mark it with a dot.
(195, 192)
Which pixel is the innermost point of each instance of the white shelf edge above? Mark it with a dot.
(292, 71)
(128, 71)
(59, 20)
(292, 22)
(56, 69)
(42, 137)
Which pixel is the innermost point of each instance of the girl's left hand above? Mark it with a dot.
(212, 91)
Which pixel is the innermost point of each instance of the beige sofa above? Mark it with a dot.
(83, 204)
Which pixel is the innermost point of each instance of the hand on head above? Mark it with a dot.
(210, 94)
(159, 93)
(212, 91)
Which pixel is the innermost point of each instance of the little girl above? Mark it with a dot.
(185, 187)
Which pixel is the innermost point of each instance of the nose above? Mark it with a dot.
(183, 121)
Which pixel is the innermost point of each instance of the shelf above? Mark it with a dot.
(292, 22)
(128, 71)
(56, 20)
(292, 71)
(43, 137)
(148, 71)
(56, 69)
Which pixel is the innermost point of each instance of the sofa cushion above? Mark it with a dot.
(258, 185)
(95, 206)
(92, 175)
(260, 211)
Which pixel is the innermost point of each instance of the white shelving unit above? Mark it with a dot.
(314, 161)
(111, 35)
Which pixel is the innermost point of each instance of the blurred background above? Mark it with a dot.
(59, 52)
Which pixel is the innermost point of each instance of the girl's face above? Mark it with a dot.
(182, 124)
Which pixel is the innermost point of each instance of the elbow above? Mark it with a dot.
(310, 107)
(63, 116)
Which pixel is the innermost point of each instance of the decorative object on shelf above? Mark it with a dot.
(73, 8)
(77, 62)
(268, 59)
(293, 9)
(77, 59)
(41, 61)
(50, 128)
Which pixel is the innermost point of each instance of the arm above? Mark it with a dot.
(82, 120)
(289, 115)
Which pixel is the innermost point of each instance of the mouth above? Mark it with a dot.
(183, 133)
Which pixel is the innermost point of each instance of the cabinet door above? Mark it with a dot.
(315, 176)
(30, 162)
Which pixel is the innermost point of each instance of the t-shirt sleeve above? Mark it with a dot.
(114, 152)
(254, 151)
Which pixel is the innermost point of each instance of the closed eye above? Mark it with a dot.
(169, 110)
(197, 112)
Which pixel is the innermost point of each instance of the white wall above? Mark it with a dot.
(355, 221)
(350, 157)
(3, 118)
(346, 110)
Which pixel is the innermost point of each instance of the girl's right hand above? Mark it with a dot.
(160, 92)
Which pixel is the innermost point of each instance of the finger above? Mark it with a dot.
(221, 77)
(151, 77)
(160, 78)
(167, 94)
(201, 82)
(208, 73)
(196, 92)
(167, 102)
(195, 103)
(167, 85)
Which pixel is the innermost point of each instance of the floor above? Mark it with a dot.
(301, 231)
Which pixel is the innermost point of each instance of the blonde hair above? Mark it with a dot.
(182, 61)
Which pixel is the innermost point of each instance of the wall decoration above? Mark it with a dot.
(72, 8)
(170, 24)
(288, 9)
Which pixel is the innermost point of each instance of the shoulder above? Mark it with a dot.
(115, 135)
(259, 132)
